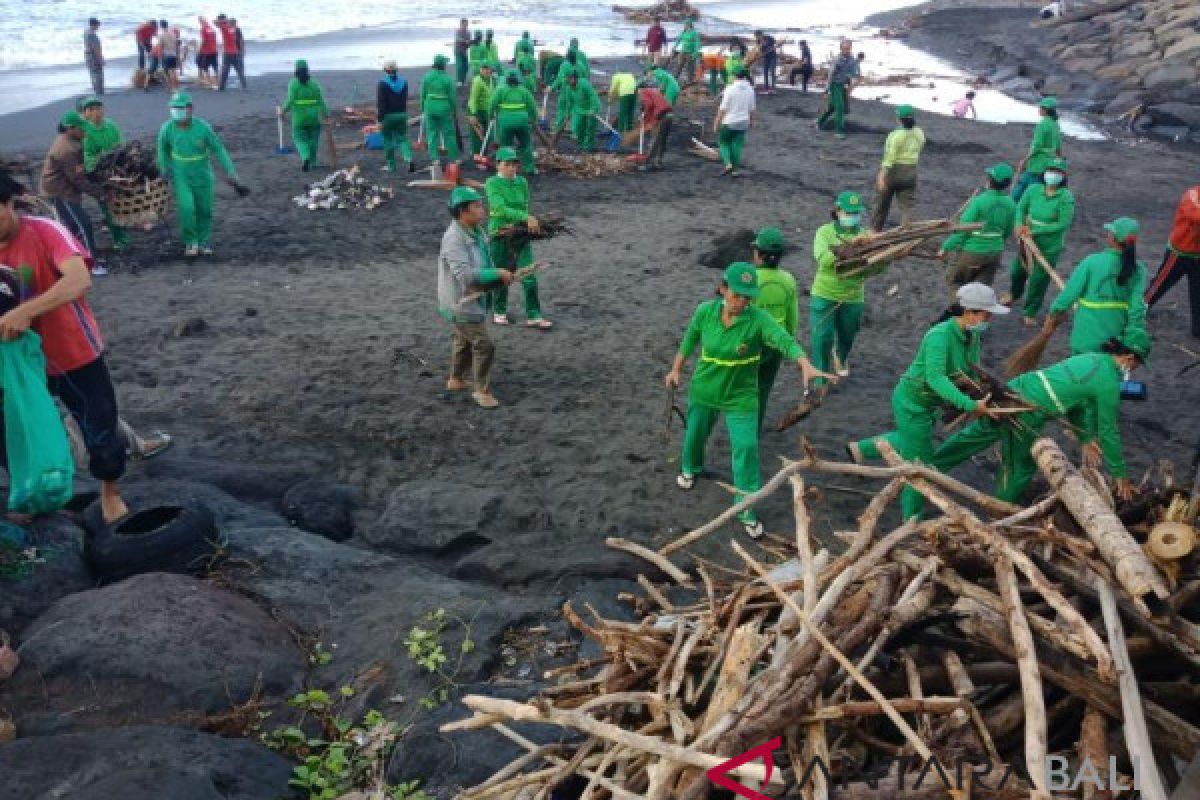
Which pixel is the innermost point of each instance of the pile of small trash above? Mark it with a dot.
(346, 188)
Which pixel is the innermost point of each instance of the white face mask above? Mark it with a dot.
(849, 220)
(178, 114)
(1053, 178)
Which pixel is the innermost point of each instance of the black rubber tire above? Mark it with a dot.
(160, 539)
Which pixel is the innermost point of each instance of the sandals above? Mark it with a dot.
(485, 400)
(155, 444)
(754, 529)
(539, 324)
(500, 319)
(685, 481)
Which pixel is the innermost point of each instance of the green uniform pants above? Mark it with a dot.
(460, 67)
(119, 235)
(729, 144)
(194, 203)
(439, 134)
(306, 133)
(768, 368)
(834, 326)
(562, 109)
(743, 442)
(713, 75)
(1016, 438)
(477, 136)
(1033, 284)
(626, 110)
(912, 439)
(520, 136)
(504, 256)
(583, 126)
(836, 109)
(395, 134)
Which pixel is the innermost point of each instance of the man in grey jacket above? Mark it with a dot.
(465, 273)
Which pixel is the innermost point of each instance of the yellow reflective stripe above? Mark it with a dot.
(178, 157)
(1050, 391)
(738, 362)
(433, 96)
(304, 102)
(1096, 305)
(513, 106)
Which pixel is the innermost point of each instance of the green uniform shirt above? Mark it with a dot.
(726, 378)
(507, 201)
(493, 53)
(1047, 141)
(997, 211)
(524, 47)
(584, 99)
(306, 101)
(437, 92)
(946, 350)
(480, 99)
(513, 105)
(187, 150)
(1048, 217)
(689, 42)
(903, 146)
(667, 83)
(1086, 389)
(1106, 309)
(581, 61)
(565, 70)
(98, 140)
(827, 283)
(550, 66)
(622, 84)
(733, 62)
(527, 66)
(476, 54)
(777, 297)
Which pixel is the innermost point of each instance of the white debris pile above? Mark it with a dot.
(346, 188)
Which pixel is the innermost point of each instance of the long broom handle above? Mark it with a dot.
(279, 124)
(1032, 248)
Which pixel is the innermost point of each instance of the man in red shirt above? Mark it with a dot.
(145, 34)
(231, 51)
(54, 281)
(656, 39)
(1182, 258)
(657, 116)
(206, 56)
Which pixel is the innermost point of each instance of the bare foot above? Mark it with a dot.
(456, 385)
(113, 506)
(485, 399)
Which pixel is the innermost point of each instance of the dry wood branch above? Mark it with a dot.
(657, 559)
(1031, 679)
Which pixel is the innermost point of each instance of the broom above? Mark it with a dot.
(1027, 356)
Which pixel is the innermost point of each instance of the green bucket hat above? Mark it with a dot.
(90, 101)
(904, 111)
(72, 119)
(769, 240)
(1048, 102)
(463, 194)
(1139, 341)
(507, 154)
(180, 100)
(300, 64)
(850, 202)
(440, 60)
(1000, 172)
(742, 278)
(1123, 228)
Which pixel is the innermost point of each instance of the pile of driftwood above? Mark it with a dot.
(126, 165)
(873, 251)
(550, 224)
(583, 165)
(982, 653)
(667, 11)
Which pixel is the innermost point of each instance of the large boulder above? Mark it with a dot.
(247, 482)
(1184, 49)
(1170, 77)
(61, 571)
(322, 507)
(507, 562)
(154, 648)
(228, 511)
(140, 763)
(1176, 115)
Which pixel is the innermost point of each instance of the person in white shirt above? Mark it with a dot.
(733, 120)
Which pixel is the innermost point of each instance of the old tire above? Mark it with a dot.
(160, 539)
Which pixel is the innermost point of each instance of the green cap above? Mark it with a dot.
(507, 154)
(301, 64)
(440, 60)
(72, 119)
(904, 111)
(180, 100)
(850, 202)
(769, 240)
(89, 101)
(742, 278)
(488, 65)
(463, 194)
(1139, 341)
(1057, 164)
(1000, 172)
(1049, 102)
(1123, 229)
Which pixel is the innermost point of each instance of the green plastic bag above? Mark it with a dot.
(40, 467)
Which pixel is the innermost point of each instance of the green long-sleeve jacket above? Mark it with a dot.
(527, 66)
(688, 43)
(1048, 217)
(437, 92)
(667, 83)
(493, 52)
(507, 201)
(98, 140)
(565, 70)
(1086, 389)
(1106, 308)
(827, 283)
(997, 211)
(306, 102)
(581, 61)
(512, 105)
(524, 46)
(584, 99)
(946, 351)
(476, 54)
(480, 99)
(903, 147)
(726, 378)
(777, 297)
(185, 151)
(1045, 145)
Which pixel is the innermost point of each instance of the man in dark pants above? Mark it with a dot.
(232, 51)
(55, 280)
(64, 181)
(842, 77)
(93, 55)
(1182, 258)
(657, 118)
(769, 54)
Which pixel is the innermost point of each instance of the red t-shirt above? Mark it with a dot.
(208, 41)
(228, 38)
(145, 33)
(656, 37)
(70, 336)
(1185, 232)
(654, 105)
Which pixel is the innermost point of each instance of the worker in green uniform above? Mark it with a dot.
(391, 111)
(1046, 211)
(100, 136)
(897, 176)
(1110, 288)
(477, 54)
(562, 108)
(1084, 391)
(585, 106)
(1045, 145)
(523, 47)
(665, 82)
(515, 111)
(776, 296)
(732, 335)
(836, 301)
(977, 253)
(550, 63)
(581, 59)
(306, 103)
(508, 204)
(492, 56)
(688, 46)
(949, 349)
(185, 146)
(479, 103)
(735, 62)
(623, 89)
(527, 69)
(437, 106)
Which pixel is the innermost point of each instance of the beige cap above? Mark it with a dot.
(389, 65)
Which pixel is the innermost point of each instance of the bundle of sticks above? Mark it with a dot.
(872, 251)
(991, 635)
(550, 224)
(585, 165)
(668, 11)
(127, 165)
(1027, 356)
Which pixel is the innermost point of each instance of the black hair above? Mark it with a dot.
(1052, 113)
(1114, 347)
(995, 184)
(302, 74)
(1129, 262)
(770, 258)
(162, 23)
(10, 187)
(908, 122)
(955, 309)
(512, 79)
(93, 22)
(456, 211)
(971, 94)
(571, 55)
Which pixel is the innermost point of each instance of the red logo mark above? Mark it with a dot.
(718, 774)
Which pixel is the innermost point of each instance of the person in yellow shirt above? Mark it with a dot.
(776, 296)
(623, 89)
(897, 177)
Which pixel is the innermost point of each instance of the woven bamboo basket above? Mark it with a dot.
(141, 205)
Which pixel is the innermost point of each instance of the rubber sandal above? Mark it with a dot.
(754, 529)
(453, 385)
(685, 481)
(540, 324)
(484, 400)
(500, 319)
(153, 445)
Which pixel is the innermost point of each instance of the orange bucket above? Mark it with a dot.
(713, 61)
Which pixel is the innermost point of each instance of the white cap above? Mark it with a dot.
(980, 297)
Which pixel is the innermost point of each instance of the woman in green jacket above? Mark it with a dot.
(1109, 287)
(1045, 145)
(732, 335)
(836, 306)
(949, 349)
(776, 296)
(306, 103)
(1045, 211)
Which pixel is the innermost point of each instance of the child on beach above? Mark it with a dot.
(964, 105)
